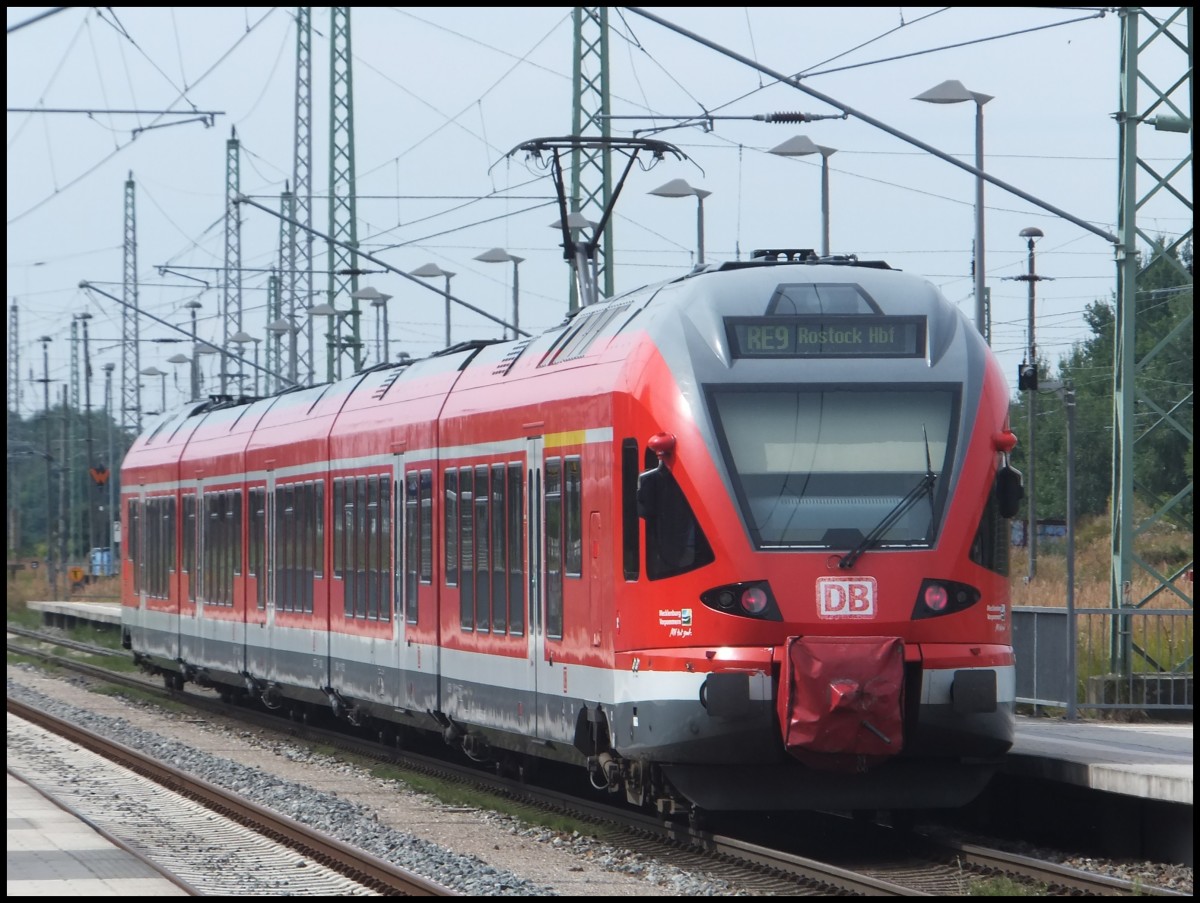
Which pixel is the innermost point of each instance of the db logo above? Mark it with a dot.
(846, 597)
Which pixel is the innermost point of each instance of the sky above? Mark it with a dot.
(443, 95)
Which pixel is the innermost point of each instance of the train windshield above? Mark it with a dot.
(822, 467)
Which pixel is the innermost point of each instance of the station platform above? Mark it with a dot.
(67, 614)
(1151, 760)
(55, 853)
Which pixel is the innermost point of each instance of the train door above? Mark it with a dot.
(189, 627)
(533, 570)
(396, 687)
(421, 656)
(260, 629)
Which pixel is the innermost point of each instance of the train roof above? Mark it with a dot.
(771, 281)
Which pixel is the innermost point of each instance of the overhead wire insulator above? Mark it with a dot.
(785, 117)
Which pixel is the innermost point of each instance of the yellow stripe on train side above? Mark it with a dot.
(577, 437)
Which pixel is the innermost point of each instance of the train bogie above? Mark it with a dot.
(736, 541)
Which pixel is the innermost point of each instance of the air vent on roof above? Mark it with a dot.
(388, 383)
(515, 352)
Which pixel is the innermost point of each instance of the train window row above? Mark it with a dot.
(484, 541)
(483, 525)
(418, 534)
(299, 519)
(563, 487)
(362, 545)
(152, 545)
(222, 546)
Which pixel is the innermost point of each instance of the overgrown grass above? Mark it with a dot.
(1152, 643)
(143, 697)
(1162, 547)
(456, 796)
(1002, 887)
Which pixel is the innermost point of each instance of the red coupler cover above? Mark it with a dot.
(842, 698)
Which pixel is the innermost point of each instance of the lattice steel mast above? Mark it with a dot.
(591, 168)
(297, 272)
(131, 361)
(14, 361)
(231, 298)
(343, 214)
(1168, 109)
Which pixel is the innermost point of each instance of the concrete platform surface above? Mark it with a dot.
(54, 853)
(1151, 760)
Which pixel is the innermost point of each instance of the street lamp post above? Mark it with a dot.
(332, 338)
(499, 255)
(1066, 391)
(240, 339)
(1028, 380)
(179, 359)
(51, 573)
(277, 329)
(378, 301)
(803, 146)
(429, 271)
(679, 188)
(114, 558)
(87, 395)
(194, 306)
(154, 371)
(952, 91)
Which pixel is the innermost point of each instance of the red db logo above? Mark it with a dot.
(846, 597)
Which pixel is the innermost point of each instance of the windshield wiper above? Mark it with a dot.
(925, 486)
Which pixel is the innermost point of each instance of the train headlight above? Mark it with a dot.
(936, 597)
(754, 601)
(942, 597)
(750, 599)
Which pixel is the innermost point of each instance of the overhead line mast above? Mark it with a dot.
(343, 211)
(131, 362)
(591, 163)
(1169, 110)
(299, 274)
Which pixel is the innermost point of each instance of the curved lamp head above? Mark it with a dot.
(679, 188)
(429, 270)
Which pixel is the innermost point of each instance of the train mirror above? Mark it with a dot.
(662, 444)
(1010, 489)
(650, 488)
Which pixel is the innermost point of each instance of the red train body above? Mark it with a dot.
(735, 541)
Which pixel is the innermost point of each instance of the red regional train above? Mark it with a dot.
(732, 542)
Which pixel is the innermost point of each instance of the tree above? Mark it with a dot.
(1163, 450)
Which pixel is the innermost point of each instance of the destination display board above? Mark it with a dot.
(855, 335)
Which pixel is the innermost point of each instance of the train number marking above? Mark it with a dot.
(846, 597)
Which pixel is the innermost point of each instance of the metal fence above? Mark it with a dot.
(1132, 659)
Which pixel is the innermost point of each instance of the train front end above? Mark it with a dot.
(824, 504)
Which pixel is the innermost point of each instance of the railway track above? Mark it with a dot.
(899, 863)
(225, 845)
